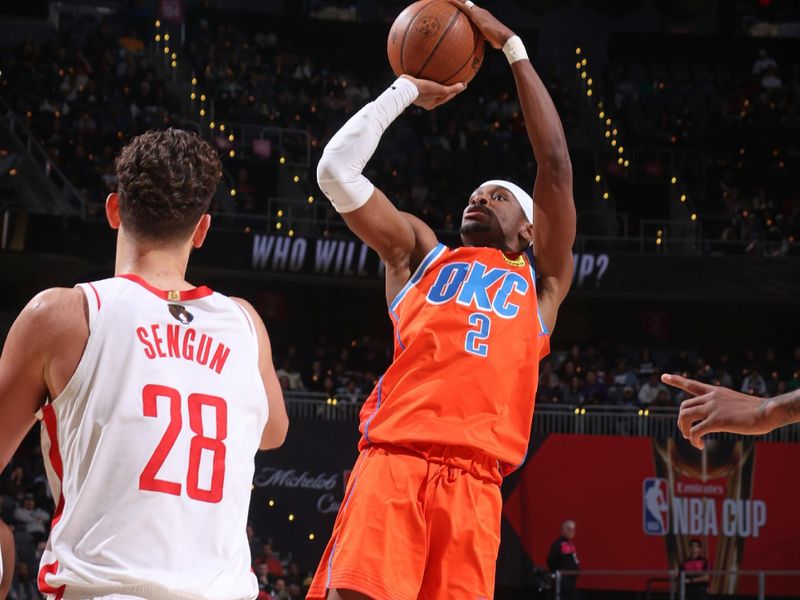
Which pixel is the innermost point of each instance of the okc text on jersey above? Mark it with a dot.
(469, 284)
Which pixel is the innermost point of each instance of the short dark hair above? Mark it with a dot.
(166, 180)
(694, 541)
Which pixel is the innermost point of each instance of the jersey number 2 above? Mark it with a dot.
(475, 342)
(148, 480)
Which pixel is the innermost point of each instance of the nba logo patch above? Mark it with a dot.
(655, 506)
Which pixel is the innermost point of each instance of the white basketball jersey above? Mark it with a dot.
(150, 448)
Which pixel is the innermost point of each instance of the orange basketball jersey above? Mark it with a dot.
(468, 340)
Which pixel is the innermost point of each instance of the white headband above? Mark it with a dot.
(524, 199)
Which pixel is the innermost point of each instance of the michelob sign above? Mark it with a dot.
(638, 502)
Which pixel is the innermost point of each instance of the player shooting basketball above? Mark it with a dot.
(154, 396)
(452, 414)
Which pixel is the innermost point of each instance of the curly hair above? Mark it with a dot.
(166, 180)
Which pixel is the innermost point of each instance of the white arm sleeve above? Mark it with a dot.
(339, 172)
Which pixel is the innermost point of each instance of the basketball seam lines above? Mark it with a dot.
(439, 41)
(478, 39)
(405, 36)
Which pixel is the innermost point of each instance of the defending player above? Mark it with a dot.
(160, 393)
(452, 414)
(714, 408)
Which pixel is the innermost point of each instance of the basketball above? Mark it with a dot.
(433, 39)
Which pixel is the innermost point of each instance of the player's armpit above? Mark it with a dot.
(40, 354)
(277, 426)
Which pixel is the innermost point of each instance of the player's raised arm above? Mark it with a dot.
(554, 207)
(395, 236)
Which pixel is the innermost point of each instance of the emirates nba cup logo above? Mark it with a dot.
(706, 494)
(655, 506)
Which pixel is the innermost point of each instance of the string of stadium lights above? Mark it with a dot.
(612, 133)
(271, 503)
(198, 95)
(195, 94)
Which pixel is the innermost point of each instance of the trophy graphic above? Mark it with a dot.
(729, 463)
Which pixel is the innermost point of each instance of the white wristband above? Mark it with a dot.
(339, 172)
(514, 50)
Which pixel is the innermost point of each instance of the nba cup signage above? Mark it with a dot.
(651, 497)
(699, 516)
(704, 494)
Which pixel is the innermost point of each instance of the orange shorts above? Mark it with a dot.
(416, 525)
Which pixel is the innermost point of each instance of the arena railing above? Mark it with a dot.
(625, 421)
(676, 581)
(68, 200)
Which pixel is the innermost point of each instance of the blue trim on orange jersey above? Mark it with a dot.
(375, 412)
(423, 266)
(430, 257)
(336, 541)
(542, 327)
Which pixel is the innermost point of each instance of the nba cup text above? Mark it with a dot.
(701, 516)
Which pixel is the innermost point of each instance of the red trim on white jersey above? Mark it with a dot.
(246, 316)
(96, 295)
(51, 427)
(46, 588)
(176, 295)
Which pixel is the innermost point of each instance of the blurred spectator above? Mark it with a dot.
(754, 384)
(280, 591)
(573, 394)
(623, 378)
(29, 517)
(771, 80)
(350, 393)
(293, 574)
(663, 400)
(262, 575)
(628, 397)
(268, 558)
(763, 63)
(650, 390)
(646, 363)
(696, 569)
(563, 556)
(294, 379)
(594, 391)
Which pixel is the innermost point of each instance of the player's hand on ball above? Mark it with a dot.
(490, 26)
(432, 94)
(716, 408)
